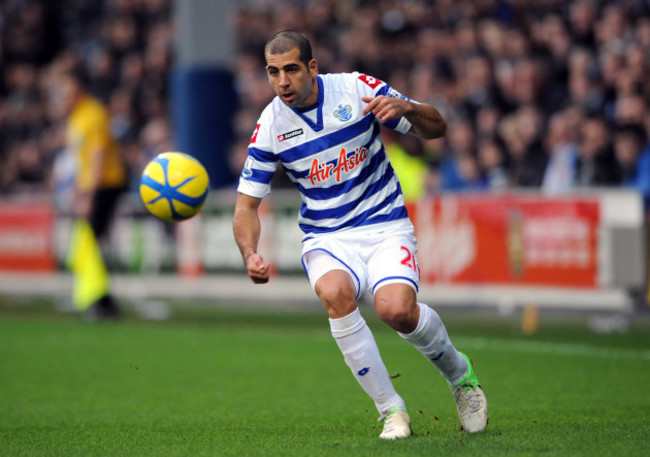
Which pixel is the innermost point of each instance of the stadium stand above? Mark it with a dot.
(124, 49)
(532, 90)
(547, 96)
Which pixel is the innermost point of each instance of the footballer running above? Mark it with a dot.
(325, 131)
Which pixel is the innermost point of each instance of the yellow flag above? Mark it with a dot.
(91, 279)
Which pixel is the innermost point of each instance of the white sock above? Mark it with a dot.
(361, 354)
(431, 339)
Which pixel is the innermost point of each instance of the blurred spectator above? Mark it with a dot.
(457, 168)
(630, 109)
(477, 85)
(582, 19)
(24, 172)
(124, 48)
(560, 173)
(522, 133)
(487, 122)
(596, 163)
(633, 156)
(492, 162)
(502, 70)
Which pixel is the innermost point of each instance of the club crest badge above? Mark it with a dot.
(247, 172)
(343, 113)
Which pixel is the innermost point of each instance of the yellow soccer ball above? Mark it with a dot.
(173, 186)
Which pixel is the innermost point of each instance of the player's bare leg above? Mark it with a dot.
(419, 324)
(355, 340)
(396, 305)
(337, 292)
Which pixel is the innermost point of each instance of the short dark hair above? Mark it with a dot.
(285, 41)
(636, 131)
(76, 76)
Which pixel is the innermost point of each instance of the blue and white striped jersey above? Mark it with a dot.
(333, 154)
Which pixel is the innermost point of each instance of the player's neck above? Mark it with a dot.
(312, 100)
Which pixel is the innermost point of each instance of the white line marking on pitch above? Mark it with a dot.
(539, 347)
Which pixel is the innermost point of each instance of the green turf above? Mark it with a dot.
(215, 382)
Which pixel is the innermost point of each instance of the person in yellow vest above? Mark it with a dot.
(101, 177)
(409, 163)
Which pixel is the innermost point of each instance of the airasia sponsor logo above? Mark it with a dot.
(322, 171)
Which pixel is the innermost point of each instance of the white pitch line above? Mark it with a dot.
(539, 347)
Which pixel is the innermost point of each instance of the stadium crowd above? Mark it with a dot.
(123, 47)
(546, 94)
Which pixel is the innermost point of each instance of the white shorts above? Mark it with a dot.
(373, 256)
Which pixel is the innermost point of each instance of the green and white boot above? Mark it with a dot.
(470, 401)
(397, 424)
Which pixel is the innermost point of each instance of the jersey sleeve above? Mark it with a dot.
(373, 87)
(261, 163)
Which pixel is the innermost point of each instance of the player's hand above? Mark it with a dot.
(386, 108)
(257, 269)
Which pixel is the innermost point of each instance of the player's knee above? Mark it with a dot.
(399, 311)
(339, 299)
(400, 318)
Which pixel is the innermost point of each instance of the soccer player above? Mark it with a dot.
(324, 129)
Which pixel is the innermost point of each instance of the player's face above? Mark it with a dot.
(291, 80)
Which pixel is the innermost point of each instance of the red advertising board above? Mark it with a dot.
(508, 239)
(26, 231)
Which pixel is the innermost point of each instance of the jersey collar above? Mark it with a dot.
(318, 125)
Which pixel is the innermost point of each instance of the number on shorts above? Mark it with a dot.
(409, 260)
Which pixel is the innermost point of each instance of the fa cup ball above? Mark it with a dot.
(173, 186)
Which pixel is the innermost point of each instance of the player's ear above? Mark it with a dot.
(313, 68)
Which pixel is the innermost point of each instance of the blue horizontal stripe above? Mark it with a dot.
(387, 278)
(398, 212)
(327, 141)
(262, 155)
(260, 176)
(342, 210)
(395, 214)
(392, 123)
(362, 219)
(383, 90)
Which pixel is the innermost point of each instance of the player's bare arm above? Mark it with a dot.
(246, 227)
(426, 120)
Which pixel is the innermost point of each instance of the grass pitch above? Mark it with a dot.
(215, 382)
